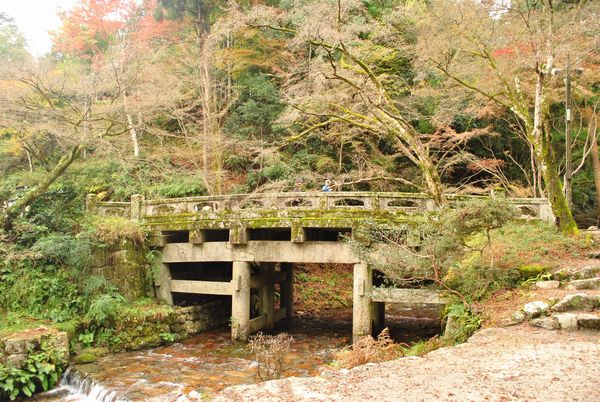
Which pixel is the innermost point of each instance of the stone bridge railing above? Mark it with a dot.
(139, 208)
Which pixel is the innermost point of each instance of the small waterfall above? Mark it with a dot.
(84, 388)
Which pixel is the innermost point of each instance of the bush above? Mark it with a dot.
(434, 248)
(461, 323)
(111, 230)
(269, 352)
(180, 186)
(369, 350)
(276, 172)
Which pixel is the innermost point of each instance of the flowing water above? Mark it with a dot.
(210, 362)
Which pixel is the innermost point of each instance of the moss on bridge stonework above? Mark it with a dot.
(274, 219)
(125, 265)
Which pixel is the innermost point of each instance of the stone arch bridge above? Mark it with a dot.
(242, 248)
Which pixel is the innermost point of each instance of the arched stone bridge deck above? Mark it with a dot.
(244, 246)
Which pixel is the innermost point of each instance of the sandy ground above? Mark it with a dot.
(497, 364)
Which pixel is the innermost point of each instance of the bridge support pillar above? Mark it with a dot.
(267, 293)
(162, 285)
(361, 301)
(240, 301)
(287, 290)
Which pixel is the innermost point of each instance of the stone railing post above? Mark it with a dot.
(137, 207)
(430, 205)
(91, 203)
(546, 213)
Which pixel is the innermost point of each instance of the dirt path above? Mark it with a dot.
(497, 364)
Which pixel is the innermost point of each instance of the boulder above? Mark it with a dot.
(535, 309)
(578, 301)
(581, 284)
(517, 317)
(588, 272)
(562, 274)
(547, 285)
(16, 360)
(589, 321)
(567, 321)
(546, 323)
(594, 254)
(15, 346)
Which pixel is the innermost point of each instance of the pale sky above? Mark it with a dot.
(35, 18)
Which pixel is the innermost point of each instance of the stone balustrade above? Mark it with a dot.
(296, 204)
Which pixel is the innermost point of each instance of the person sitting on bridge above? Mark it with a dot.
(327, 187)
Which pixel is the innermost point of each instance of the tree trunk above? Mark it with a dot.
(541, 140)
(595, 158)
(433, 181)
(554, 188)
(206, 123)
(13, 211)
(29, 161)
(131, 128)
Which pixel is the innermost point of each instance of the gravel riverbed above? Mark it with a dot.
(497, 364)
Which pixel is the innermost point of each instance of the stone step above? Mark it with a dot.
(589, 321)
(545, 285)
(587, 272)
(577, 302)
(568, 321)
(581, 284)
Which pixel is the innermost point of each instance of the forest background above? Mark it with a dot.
(179, 98)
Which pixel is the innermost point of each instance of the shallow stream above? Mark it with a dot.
(209, 362)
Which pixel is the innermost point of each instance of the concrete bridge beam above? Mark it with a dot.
(240, 301)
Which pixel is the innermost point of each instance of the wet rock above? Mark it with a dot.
(547, 285)
(589, 321)
(90, 355)
(535, 309)
(567, 321)
(581, 284)
(546, 322)
(85, 358)
(579, 301)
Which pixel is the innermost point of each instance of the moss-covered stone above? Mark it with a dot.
(85, 357)
(531, 271)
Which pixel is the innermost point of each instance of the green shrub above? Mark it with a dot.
(237, 163)
(276, 172)
(532, 271)
(461, 323)
(112, 230)
(180, 186)
(435, 248)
